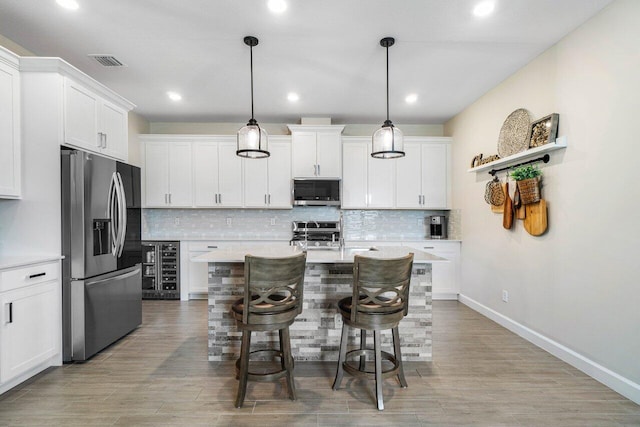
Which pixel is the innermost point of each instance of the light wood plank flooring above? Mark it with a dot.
(482, 375)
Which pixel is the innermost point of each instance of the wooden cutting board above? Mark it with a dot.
(535, 221)
(507, 215)
(500, 209)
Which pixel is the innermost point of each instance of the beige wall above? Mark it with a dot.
(14, 47)
(137, 125)
(281, 129)
(579, 284)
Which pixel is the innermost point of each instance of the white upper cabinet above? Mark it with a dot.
(367, 183)
(10, 143)
(423, 175)
(93, 123)
(217, 173)
(167, 174)
(317, 151)
(267, 182)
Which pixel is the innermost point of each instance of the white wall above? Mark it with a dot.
(137, 125)
(579, 284)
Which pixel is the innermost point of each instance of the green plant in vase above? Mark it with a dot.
(527, 178)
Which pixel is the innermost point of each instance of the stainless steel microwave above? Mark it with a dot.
(316, 192)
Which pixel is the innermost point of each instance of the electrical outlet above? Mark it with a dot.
(273, 221)
(505, 296)
(228, 221)
(176, 221)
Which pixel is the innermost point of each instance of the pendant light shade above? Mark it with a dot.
(388, 141)
(253, 141)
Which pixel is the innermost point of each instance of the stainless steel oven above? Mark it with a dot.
(316, 234)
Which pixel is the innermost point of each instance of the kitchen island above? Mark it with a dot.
(315, 335)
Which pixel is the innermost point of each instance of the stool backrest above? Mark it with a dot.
(273, 285)
(381, 286)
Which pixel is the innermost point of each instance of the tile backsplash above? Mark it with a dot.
(271, 224)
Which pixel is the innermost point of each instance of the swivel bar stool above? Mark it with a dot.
(381, 295)
(273, 291)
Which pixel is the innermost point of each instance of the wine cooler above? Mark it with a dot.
(160, 270)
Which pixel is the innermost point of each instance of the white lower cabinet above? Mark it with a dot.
(30, 329)
(445, 276)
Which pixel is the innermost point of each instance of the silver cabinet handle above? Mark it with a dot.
(212, 247)
(220, 198)
(265, 199)
(419, 200)
(318, 170)
(105, 140)
(216, 198)
(315, 170)
(269, 199)
(429, 247)
(169, 198)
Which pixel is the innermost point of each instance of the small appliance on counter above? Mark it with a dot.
(316, 234)
(160, 270)
(437, 226)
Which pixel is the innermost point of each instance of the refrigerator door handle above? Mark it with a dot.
(124, 276)
(122, 211)
(112, 214)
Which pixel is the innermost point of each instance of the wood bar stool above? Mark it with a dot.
(273, 291)
(381, 295)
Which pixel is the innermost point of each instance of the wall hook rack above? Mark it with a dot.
(544, 159)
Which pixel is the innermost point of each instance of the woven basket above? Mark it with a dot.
(529, 190)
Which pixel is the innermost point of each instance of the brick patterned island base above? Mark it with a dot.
(315, 335)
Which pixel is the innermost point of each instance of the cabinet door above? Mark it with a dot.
(180, 175)
(81, 117)
(354, 175)
(113, 124)
(156, 174)
(198, 284)
(434, 176)
(9, 132)
(230, 176)
(256, 188)
(303, 145)
(280, 175)
(409, 178)
(381, 182)
(29, 332)
(329, 154)
(205, 174)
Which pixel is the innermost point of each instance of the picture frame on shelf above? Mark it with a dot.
(544, 131)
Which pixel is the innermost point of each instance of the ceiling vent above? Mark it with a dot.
(107, 60)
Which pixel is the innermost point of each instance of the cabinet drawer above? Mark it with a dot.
(25, 276)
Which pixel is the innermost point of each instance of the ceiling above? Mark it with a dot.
(327, 51)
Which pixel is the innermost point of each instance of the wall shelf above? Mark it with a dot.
(560, 142)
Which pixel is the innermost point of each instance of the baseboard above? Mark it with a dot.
(614, 381)
(444, 296)
(55, 360)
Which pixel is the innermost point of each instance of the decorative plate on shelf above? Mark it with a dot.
(514, 134)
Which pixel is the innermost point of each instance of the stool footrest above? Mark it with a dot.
(267, 376)
(357, 372)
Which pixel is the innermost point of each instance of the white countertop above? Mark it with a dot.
(327, 256)
(13, 261)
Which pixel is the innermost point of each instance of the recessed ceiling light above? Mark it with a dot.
(68, 4)
(411, 98)
(484, 8)
(174, 96)
(277, 6)
(293, 97)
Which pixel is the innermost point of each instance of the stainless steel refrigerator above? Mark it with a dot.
(101, 269)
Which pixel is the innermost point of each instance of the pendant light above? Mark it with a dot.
(388, 140)
(253, 141)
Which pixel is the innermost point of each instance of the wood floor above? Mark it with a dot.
(482, 375)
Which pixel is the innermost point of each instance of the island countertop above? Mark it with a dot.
(321, 256)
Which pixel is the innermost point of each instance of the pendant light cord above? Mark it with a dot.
(251, 56)
(387, 83)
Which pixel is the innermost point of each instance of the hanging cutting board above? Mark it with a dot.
(518, 207)
(535, 221)
(499, 208)
(507, 214)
